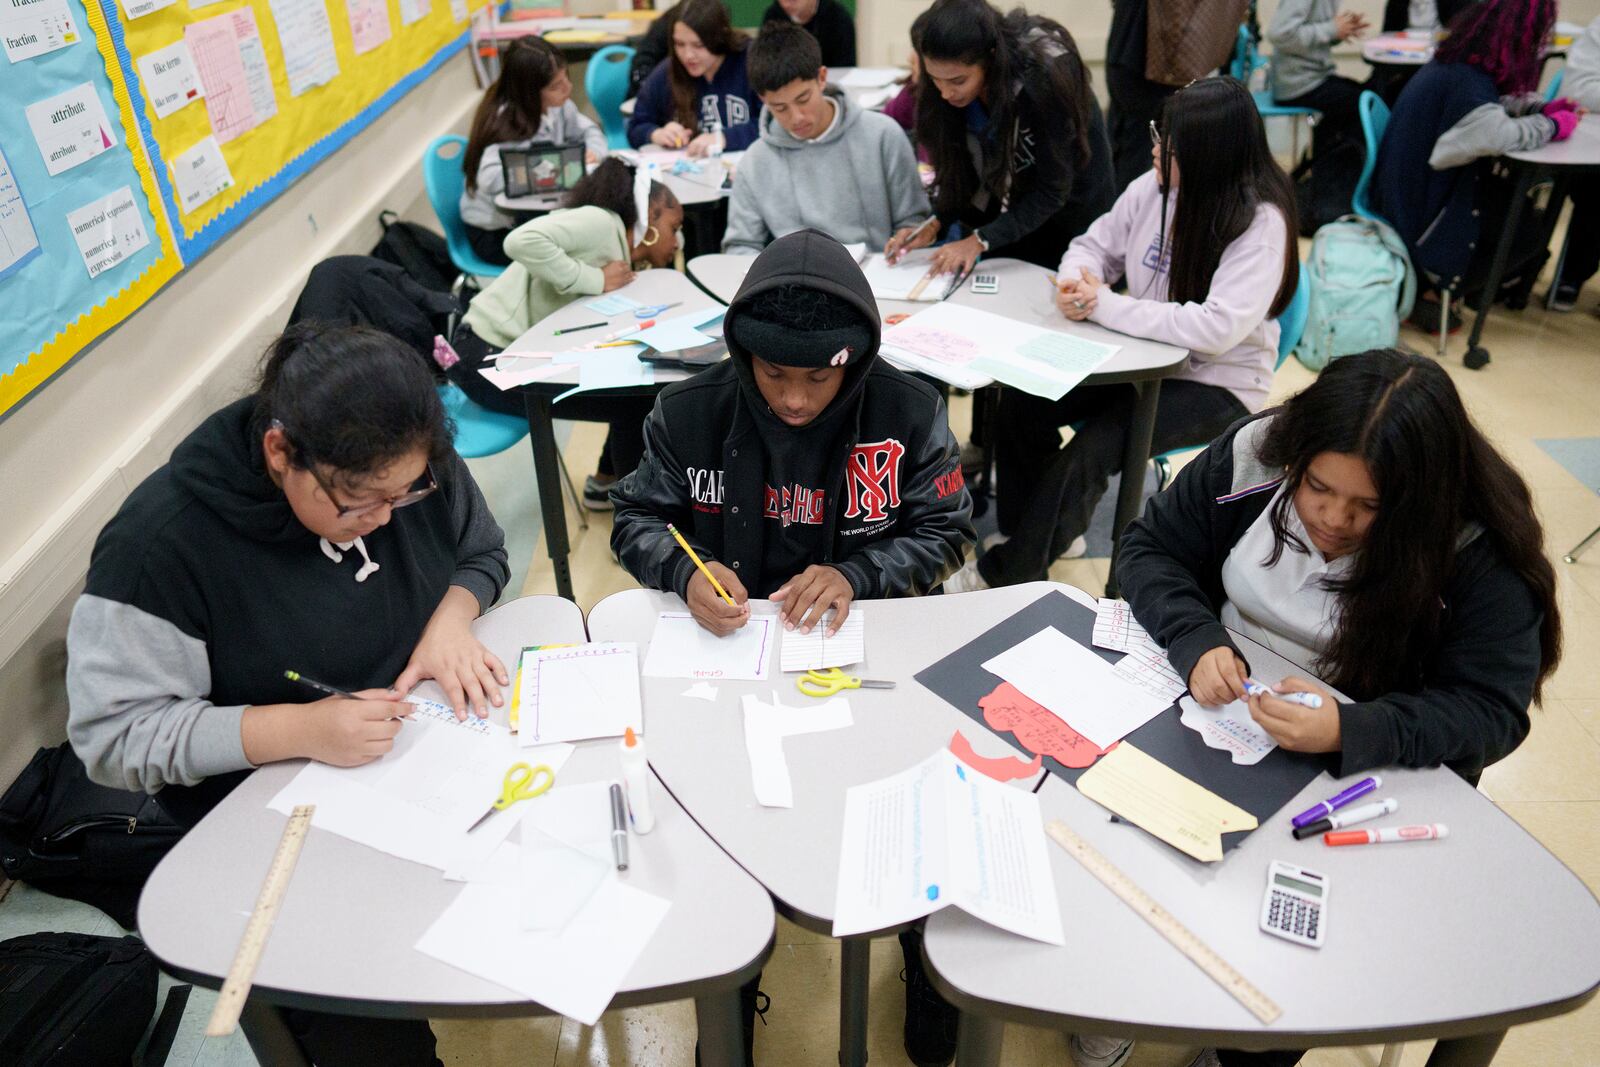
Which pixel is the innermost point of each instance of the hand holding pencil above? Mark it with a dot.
(716, 597)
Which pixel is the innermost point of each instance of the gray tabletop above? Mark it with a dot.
(343, 939)
(1428, 939)
(702, 188)
(648, 287)
(697, 748)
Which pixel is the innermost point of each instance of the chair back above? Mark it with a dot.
(606, 82)
(1374, 120)
(1553, 90)
(479, 431)
(444, 179)
(1292, 323)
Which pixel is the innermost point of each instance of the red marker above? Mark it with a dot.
(1427, 832)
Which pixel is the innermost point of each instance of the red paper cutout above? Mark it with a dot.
(1037, 727)
(1001, 769)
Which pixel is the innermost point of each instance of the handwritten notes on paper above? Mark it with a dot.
(423, 709)
(1037, 728)
(18, 242)
(816, 650)
(939, 834)
(307, 39)
(1162, 802)
(969, 346)
(766, 726)
(578, 692)
(1116, 629)
(1079, 686)
(1150, 670)
(682, 648)
(1229, 729)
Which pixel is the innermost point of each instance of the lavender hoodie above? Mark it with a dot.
(1231, 342)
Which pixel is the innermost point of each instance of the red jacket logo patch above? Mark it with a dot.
(872, 480)
(945, 484)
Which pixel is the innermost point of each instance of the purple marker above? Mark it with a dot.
(1323, 808)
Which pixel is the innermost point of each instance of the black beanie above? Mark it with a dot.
(804, 303)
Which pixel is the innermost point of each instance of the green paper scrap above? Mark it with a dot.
(1047, 365)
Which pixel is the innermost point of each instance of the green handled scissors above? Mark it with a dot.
(831, 681)
(522, 783)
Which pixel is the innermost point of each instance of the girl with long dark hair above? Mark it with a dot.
(1435, 180)
(530, 101)
(616, 221)
(1015, 136)
(700, 93)
(323, 522)
(1205, 243)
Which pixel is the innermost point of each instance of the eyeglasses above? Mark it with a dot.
(417, 491)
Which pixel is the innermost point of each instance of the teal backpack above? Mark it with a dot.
(1362, 287)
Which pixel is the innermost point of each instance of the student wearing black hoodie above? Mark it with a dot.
(325, 524)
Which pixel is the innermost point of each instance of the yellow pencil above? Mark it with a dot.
(723, 593)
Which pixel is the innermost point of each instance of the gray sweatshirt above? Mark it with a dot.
(857, 181)
(1302, 33)
(1582, 80)
(561, 125)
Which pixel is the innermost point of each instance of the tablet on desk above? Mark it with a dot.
(542, 168)
(691, 359)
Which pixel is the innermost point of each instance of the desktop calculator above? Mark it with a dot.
(985, 284)
(1292, 906)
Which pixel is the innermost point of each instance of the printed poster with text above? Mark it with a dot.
(238, 98)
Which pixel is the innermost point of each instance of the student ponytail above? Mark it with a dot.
(610, 186)
(349, 398)
(511, 108)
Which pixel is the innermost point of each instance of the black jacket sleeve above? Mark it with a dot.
(936, 520)
(1048, 179)
(655, 494)
(1168, 564)
(1472, 707)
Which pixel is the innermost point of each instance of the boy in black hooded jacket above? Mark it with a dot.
(803, 469)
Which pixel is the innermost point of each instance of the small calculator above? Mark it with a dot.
(986, 284)
(1292, 906)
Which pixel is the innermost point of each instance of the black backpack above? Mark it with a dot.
(74, 1000)
(418, 251)
(68, 836)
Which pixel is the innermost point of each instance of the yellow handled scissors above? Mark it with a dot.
(831, 681)
(522, 783)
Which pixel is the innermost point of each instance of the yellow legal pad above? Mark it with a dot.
(1160, 801)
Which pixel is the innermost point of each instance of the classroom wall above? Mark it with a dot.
(75, 448)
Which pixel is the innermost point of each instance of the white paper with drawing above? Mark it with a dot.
(578, 692)
(937, 834)
(818, 651)
(682, 648)
(1052, 669)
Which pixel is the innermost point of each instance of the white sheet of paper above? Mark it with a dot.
(1229, 729)
(34, 27)
(938, 834)
(579, 692)
(306, 35)
(417, 802)
(18, 242)
(70, 127)
(414, 10)
(574, 971)
(138, 9)
(566, 852)
(870, 77)
(701, 691)
(817, 651)
(433, 711)
(1150, 670)
(108, 230)
(1116, 629)
(520, 372)
(682, 648)
(170, 78)
(200, 174)
(766, 726)
(1052, 669)
(896, 281)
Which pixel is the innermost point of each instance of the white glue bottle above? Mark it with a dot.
(636, 777)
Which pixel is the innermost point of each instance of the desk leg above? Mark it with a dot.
(855, 966)
(1466, 1051)
(547, 474)
(1135, 455)
(721, 1031)
(269, 1036)
(978, 1040)
(1477, 356)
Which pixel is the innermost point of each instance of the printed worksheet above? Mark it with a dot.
(306, 36)
(35, 27)
(18, 242)
(369, 24)
(230, 103)
(108, 230)
(200, 174)
(940, 834)
(171, 81)
(70, 128)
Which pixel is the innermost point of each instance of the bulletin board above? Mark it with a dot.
(57, 294)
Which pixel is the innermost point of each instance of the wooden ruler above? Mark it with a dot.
(236, 986)
(1166, 924)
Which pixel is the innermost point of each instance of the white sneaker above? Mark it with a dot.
(1206, 1057)
(995, 538)
(965, 580)
(1077, 550)
(1099, 1051)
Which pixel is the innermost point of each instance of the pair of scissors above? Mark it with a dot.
(522, 782)
(653, 310)
(833, 680)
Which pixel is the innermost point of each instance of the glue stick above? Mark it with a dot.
(636, 776)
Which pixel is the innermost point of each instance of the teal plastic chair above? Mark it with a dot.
(1553, 90)
(481, 432)
(606, 82)
(1246, 61)
(1291, 324)
(1374, 120)
(444, 179)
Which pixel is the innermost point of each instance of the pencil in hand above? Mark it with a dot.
(698, 562)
